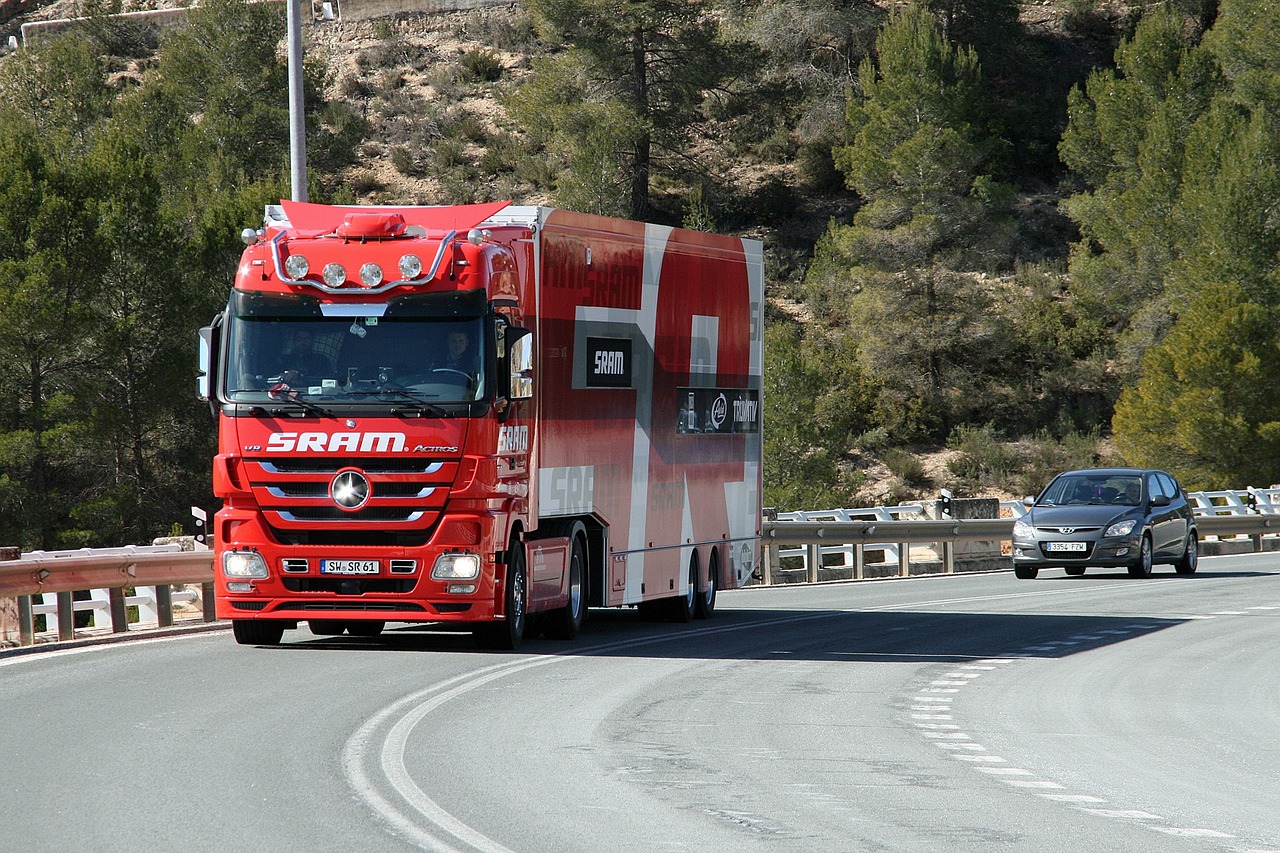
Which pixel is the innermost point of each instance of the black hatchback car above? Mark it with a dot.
(1126, 518)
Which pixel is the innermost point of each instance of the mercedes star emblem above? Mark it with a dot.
(349, 490)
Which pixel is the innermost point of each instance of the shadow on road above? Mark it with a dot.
(813, 635)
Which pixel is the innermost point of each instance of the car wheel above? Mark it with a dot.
(1142, 568)
(1075, 571)
(1026, 573)
(1190, 560)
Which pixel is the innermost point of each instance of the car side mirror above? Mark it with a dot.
(1160, 500)
(1029, 500)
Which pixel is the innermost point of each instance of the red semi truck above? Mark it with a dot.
(485, 416)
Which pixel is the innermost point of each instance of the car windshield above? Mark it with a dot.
(356, 360)
(1080, 489)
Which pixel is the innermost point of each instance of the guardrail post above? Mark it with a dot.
(164, 605)
(948, 556)
(904, 559)
(813, 560)
(859, 559)
(26, 621)
(119, 613)
(770, 556)
(211, 613)
(66, 616)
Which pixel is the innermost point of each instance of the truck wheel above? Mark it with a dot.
(248, 633)
(507, 634)
(681, 608)
(565, 623)
(706, 604)
(326, 627)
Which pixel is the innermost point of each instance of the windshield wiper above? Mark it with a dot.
(282, 393)
(423, 405)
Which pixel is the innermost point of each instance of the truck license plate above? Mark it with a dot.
(349, 567)
(1066, 546)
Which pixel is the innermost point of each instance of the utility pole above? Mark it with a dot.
(297, 120)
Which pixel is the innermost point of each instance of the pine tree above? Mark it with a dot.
(931, 217)
(1208, 407)
(617, 103)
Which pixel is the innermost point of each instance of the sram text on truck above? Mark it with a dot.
(486, 417)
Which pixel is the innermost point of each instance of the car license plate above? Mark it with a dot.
(349, 567)
(1066, 546)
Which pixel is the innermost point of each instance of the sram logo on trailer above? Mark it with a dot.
(608, 362)
(324, 442)
(513, 439)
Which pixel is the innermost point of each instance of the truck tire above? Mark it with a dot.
(706, 604)
(565, 623)
(681, 608)
(507, 634)
(250, 633)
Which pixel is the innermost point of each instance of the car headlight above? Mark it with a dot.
(1121, 528)
(459, 567)
(243, 564)
(1022, 529)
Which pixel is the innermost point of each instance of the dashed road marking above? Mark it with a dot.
(930, 706)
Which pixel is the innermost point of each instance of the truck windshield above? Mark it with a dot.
(359, 360)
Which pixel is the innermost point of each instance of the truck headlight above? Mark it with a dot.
(243, 564)
(456, 567)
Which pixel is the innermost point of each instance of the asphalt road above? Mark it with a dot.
(968, 713)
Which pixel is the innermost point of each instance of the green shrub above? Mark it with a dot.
(985, 458)
(448, 153)
(482, 64)
(405, 163)
(905, 466)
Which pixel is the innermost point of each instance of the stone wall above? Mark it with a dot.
(346, 10)
(8, 606)
(984, 555)
(364, 10)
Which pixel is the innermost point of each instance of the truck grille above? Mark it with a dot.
(406, 498)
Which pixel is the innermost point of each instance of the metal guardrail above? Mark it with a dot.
(813, 536)
(113, 569)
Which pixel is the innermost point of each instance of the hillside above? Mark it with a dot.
(427, 105)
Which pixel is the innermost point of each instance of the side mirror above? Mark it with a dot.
(206, 363)
(1160, 500)
(520, 363)
(1029, 500)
